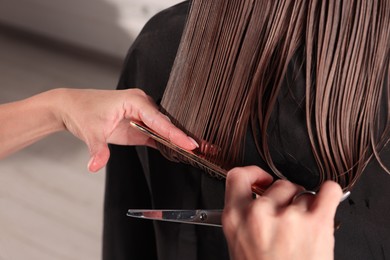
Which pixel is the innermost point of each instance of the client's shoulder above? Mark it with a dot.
(169, 22)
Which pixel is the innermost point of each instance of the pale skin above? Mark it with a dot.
(273, 226)
(97, 117)
(255, 229)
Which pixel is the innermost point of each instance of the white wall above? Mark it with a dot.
(108, 26)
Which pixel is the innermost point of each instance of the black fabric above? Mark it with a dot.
(139, 177)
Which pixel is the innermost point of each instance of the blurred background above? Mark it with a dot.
(50, 206)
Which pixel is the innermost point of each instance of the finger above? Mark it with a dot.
(303, 200)
(239, 184)
(281, 192)
(160, 123)
(141, 107)
(327, 200)
(100, 154)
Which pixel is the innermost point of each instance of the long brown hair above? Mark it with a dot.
(233, 58)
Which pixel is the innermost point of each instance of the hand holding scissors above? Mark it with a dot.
(286, 222)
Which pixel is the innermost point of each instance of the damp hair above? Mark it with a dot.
(232, 61)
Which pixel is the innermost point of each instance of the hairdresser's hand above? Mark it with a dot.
(99, 117)
(274, 227)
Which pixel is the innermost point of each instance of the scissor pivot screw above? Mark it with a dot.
(203, 216)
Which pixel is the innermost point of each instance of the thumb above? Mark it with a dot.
(99, 156)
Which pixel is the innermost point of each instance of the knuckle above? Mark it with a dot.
(263, 201)
(258, 208)
(137, 92)
(297, 218)
(283, 183)
(233, 175)
(287, 185)
(229, 222)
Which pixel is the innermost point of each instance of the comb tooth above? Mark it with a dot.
(202, 164)
(209, 171)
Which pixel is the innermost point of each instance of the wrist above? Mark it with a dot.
(54, 100)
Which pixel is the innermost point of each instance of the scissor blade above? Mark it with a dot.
(198, 217)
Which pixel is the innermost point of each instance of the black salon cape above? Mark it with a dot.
(139, 177)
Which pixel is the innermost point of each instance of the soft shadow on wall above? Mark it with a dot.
(102, 26)
(50, 208)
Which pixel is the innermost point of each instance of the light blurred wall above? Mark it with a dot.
(108, 26)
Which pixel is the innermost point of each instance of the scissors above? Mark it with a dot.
(197, 216)
(211, 217)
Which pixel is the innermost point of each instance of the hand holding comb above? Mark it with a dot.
(193, 156)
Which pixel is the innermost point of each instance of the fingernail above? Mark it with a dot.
(193, 141)
(90, 164)
(168, 118)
